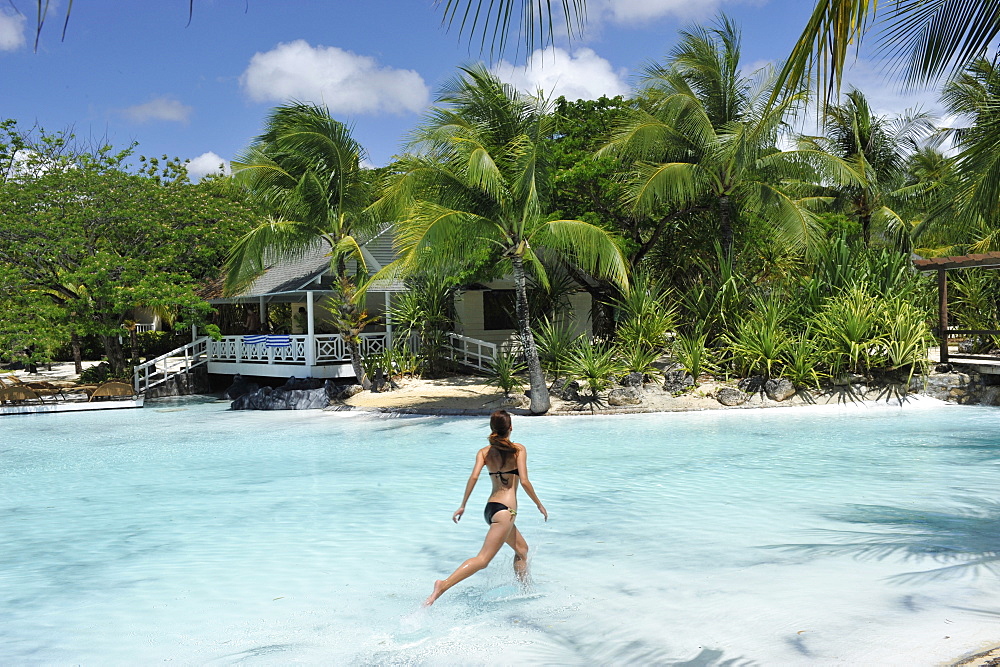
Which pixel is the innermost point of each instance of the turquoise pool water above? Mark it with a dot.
(183, 532)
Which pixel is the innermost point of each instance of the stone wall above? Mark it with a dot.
(959, 384)
(194, 381)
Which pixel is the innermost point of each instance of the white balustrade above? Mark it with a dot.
(329, 349)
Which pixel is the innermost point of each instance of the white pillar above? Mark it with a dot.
(194, 332)
(310, 332)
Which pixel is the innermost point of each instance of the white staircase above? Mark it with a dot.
(181, 360)
(471, 352)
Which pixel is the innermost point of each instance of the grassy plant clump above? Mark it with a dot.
(555, 342)
(635, 359)
(504, 371)
(692, 354)
(802, 358)
(595, 366)
(647, 316)
(757, 344)
(907, 336)
(847, 331)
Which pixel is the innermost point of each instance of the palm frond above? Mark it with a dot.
(272, 242)
(592, 248)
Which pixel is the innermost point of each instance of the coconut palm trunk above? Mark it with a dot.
(726, 225)
(359, 371)
(539, 390)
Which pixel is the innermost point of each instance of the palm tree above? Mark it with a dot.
(479, 180)
(929, 38)
(706, 139)
(878, 149)
(974, 95)
(936, 176)
(306, 171)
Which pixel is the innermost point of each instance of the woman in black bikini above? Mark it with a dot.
(508, 464)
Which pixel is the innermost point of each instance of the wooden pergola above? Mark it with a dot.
(990, 260)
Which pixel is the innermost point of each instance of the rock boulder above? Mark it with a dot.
(633, 380)
(779, 389)
(677, 380)
(731, 396)
(240, 387)
(625, 396)
(752, 385)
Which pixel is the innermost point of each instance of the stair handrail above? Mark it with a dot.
(195, 354)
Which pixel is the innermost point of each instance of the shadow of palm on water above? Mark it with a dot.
(602, 646)
(963, 542)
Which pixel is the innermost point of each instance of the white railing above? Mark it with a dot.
(471, 352)
(159, 370)
(327, 349)
(139, 328)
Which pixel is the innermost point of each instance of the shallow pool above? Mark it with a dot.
(184, 532)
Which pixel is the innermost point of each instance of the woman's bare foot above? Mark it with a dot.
(438, 590)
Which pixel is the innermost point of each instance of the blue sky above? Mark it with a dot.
(202, 91)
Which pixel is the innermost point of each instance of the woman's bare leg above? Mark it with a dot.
(516, 542)
(495, 538)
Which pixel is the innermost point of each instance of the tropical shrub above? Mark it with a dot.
(426, 313)
(691, 353)
(847, 332)
(646, 315)
(636, 359)
(504, 370)
(758, 343)
(802, 359)
(907, 335)
(594, 365)
(103, 372)
(974, 304)
(714, 299)
(555, 341)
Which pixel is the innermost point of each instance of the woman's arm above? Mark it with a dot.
(471, 484)
(522, 472)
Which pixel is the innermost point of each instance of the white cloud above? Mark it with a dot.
(207, 163)
(344, 81)
(636, 11)
(159, 108)
(580, 75)
(11, 30)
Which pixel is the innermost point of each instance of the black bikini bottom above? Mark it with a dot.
(493, 508)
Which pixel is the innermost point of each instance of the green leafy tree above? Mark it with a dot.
(707, 139)
(480, 177)
(305, 171)
(83, 234)
(590, 187)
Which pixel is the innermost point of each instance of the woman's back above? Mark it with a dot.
(502, 467)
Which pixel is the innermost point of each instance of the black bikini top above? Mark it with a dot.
(504, 472)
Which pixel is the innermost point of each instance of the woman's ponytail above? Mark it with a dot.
(500, 437)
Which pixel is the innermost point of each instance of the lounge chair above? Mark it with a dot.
(40, 388)
(114, 390)
(15, 395)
